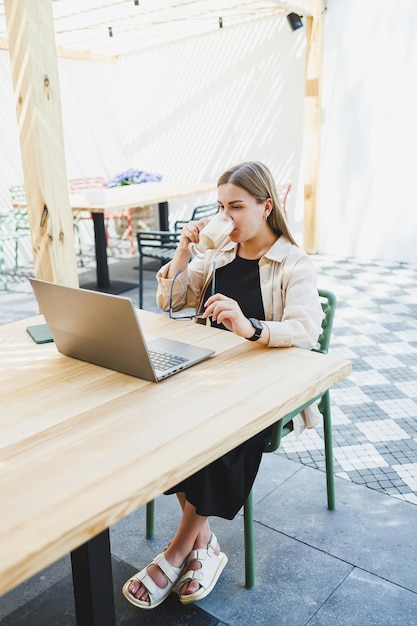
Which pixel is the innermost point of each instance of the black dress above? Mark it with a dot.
(222, 487)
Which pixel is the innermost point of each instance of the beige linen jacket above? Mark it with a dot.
(288, 281)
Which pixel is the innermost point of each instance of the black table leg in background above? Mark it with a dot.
(163, 216)
(93, 582)
(102, 267)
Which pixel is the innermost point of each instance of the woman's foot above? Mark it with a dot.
(149, 587)
(203, 567)
(191, 586)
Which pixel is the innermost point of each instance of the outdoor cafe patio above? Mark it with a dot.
(313, 566)
(312, 103)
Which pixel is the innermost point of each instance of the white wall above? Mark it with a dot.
(194, 108)
(91, 119)
(190, 109)
(368, 167)
(89, 99)
(10, 159)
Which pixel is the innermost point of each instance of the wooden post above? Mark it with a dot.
(35, 77)
(312, 128)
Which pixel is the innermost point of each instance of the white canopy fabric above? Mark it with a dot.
(116, 27)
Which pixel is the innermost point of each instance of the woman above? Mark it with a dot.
(266, 292)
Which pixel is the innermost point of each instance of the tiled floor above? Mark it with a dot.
(314, 567)
(374, 411)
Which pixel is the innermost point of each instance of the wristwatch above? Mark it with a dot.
(258, 326)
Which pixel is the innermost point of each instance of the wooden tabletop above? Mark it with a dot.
(82, 446)
(127, 196)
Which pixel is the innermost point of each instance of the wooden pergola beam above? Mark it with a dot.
(312, 129)
(79, 55)
(34, 66)
(312, 11)
(303, 7)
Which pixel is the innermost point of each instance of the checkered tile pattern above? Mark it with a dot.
(374, 411)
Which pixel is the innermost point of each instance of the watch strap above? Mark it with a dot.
(258, 326)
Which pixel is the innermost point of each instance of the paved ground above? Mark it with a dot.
(355, 565)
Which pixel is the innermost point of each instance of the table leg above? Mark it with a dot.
(163, 216)
(93, 582)
(102, 268)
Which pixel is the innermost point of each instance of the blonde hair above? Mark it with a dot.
(255, 178)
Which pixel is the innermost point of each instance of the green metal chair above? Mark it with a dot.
(282, 428)
(7, 234)
(20, 216)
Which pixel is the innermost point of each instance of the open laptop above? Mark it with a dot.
(104, 329)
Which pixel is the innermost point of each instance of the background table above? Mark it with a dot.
(119, 198)
(81, 446)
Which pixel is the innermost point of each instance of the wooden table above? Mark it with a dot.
(83, 446)
(120, 198)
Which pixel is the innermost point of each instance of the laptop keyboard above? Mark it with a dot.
(166, 360)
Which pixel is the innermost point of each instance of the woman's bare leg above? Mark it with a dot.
(200, 542)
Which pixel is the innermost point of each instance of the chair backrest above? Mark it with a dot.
(199, 212)
(284, 426)
(205, 210)
(17, 192)
(78, 185)
(283, 191)
(157, 244)
(328, 304)
(20, 216)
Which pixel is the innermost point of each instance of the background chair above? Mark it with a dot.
(20, 217)
(7, 234)
(199, 212)
(80, 185)
(155, 244)
(126, 215)
(283, 191)
(282, 428)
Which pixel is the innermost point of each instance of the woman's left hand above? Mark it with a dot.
(226, 311)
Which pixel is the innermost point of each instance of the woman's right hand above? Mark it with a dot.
(190, 233)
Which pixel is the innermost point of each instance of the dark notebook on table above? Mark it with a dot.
(104, 329)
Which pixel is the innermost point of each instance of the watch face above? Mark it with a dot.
(258, 329)
(256, 323)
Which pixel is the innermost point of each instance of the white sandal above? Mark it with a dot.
(156, 594)
(207, 575)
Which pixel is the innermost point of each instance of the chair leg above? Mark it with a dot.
(130, 232)
(150, 519)
(16, 252)
(3, 270)
(328, 448)
(140, 281)
(80, 249)
(249, 547)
